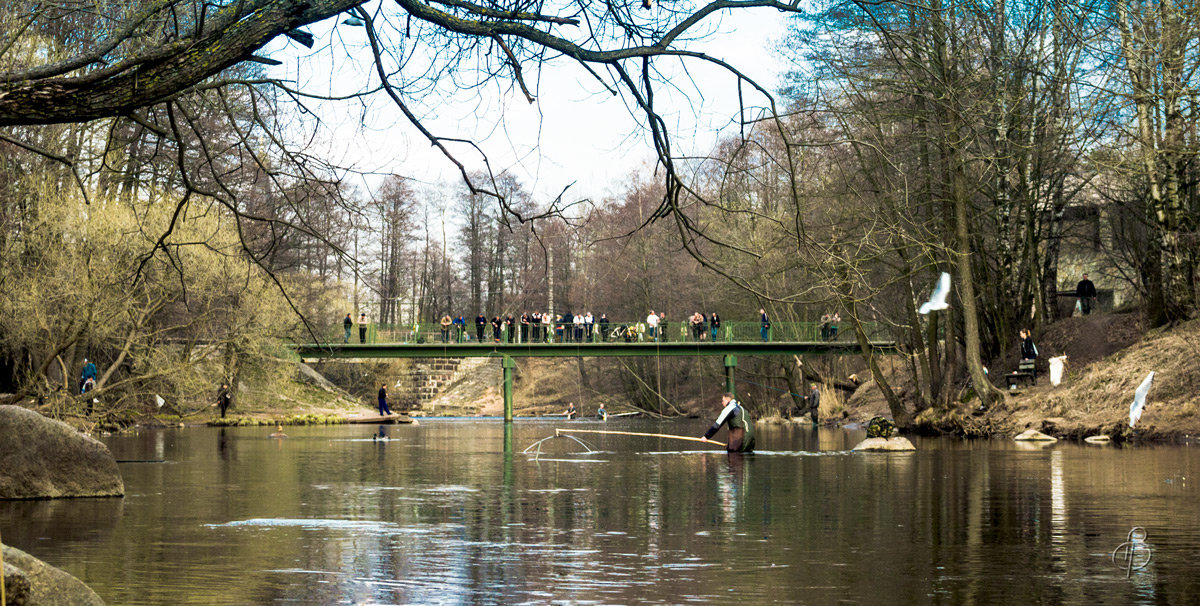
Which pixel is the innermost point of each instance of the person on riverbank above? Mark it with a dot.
(1029, 351)
(814, 404)
(225, 398)
(1086, 291)
(446, 322)
(570, 413)
(362, 328)
(383, 407)
(89, 373)
(347, 326)
(741, 426)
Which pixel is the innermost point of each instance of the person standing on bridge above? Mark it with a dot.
(383, 407)
(480, 326)
(460, 329)
(741, 426)
(652, 324)
(446, 322)
(603, 322)
(362, 328)
(496, 324)
(347, 324)
(714, 323)
(765, 323)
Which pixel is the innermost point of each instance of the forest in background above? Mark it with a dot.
(183, 237)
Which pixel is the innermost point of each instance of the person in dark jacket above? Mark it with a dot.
(1086, 291)
(741, 426)
(348, 325)
(496, 324)
(714, 323)
(814, 404)
(460, 329)
(480, 326)
(603, 322)
(225, 399)
(765, 323)
(1029, 352)
(383, 407)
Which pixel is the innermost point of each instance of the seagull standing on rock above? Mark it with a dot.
(937, 300)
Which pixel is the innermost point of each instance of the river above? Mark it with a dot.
(453, 512)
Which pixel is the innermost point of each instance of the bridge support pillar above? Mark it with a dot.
(508, 364)
(730, 364)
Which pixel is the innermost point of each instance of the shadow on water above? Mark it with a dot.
(453, 511)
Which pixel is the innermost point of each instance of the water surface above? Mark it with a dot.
(453, 512)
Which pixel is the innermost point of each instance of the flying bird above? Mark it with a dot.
(159, 400)
(937, 300)
(1139, 400)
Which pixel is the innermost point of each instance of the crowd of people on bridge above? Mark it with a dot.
(546, 327)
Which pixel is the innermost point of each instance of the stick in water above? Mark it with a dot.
(638, 433)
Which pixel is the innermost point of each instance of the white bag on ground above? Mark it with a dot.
(1056, 369)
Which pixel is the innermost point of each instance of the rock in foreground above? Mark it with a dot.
(1033, 435)
(29, 581)
(899, 443)
(42, 458)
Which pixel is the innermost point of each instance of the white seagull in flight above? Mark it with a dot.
(937, 300)
(1139, 400)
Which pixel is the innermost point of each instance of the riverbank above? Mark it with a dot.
(1108, 357)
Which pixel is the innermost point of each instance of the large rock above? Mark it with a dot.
(1033, 435)
(29, 581)
(899, 443)
(42, 458)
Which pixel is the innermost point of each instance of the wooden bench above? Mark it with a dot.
(1026, 373)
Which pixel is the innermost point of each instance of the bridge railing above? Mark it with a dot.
(628, 332)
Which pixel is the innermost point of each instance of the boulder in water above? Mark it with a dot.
(42, 458)
(896, 444)
(29, 581)
(1033, 435)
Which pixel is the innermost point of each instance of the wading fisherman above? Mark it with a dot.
(741, 427)
(570, 412)
(814, 404)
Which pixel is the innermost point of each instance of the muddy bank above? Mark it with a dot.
(1108, 357)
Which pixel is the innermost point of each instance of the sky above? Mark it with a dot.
(576, 134)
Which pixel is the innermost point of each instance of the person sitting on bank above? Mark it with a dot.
(570, 412)
(741, 427)
(601, 413)
(1086, 291)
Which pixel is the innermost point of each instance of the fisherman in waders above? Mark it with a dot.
(741, 427)
(383, 407)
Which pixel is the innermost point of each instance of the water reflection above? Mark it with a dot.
(452, 512)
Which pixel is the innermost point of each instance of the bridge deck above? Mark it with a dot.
(338, 351)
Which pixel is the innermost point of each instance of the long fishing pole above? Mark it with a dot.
(638, 433)
(2, 600)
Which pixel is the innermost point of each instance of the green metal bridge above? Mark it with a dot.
(627, 340)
